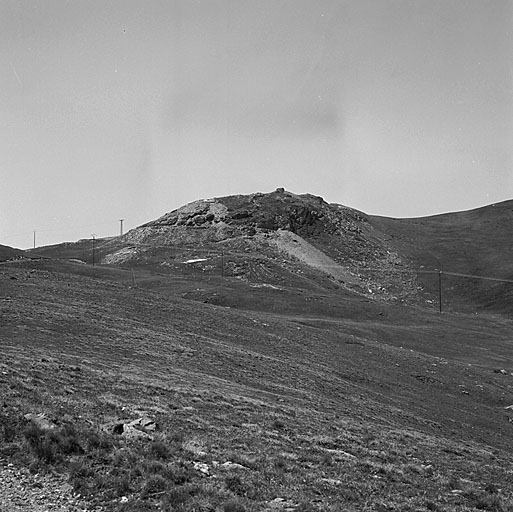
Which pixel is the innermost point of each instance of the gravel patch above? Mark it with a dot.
(21, 490)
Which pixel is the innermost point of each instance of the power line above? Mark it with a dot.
(60, 232)
(480, 277)
(422, 271)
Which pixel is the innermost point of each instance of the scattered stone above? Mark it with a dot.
(202, 468)
(332, 481)
(282, 504)
(140, 428)
(232, 465)
(145, 423)
(41, 421)
(130, 432)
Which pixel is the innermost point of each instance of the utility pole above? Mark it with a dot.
(222, 263)
(34, 239)
(440, 290)
(121, 227)
(93, 235)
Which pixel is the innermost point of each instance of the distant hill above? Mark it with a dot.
(278, 235)
(281, 238)
(476, 242)
(9, 253)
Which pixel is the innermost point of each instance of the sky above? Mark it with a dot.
(128, 109)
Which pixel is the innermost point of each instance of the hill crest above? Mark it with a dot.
(335, 240)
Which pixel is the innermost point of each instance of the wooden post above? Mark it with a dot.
(440, 290)
(93, 247)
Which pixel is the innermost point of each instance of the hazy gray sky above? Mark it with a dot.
(131, 108)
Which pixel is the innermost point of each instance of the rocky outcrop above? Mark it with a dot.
(341, 241)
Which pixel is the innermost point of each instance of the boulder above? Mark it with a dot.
(140, 428)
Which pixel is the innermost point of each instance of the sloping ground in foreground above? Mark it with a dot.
(255, 411)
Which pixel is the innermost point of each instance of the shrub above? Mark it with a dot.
(96, 441)
(491, 488)
(39, 444)
(67, 440)
(175, 497)
(234, 505)
(49, 446)
(118, 485)
(8, 429)
(483, 501)
(236, 485)
(81, 477)
(280, 464)
(179, 473)
(154, 485)
(159, 450)
(278, 424)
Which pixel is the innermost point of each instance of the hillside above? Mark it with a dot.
(9, 253)
(284, 240)
(278, 238)
(260, 411)
(288, 352)
(475, 242)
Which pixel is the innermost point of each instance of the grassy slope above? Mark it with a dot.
(7, 253)
(324, 410)
(472, 242)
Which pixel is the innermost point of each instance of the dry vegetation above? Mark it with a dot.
(255, 379)
(254, 412)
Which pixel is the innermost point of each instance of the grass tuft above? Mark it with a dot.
(155, 484)
(233, 505)
(50, 446)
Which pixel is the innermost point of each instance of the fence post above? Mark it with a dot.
(440, 290)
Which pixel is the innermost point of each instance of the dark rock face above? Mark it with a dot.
(243, 214)
(337, 230)
(304, 215)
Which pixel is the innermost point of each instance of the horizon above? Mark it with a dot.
(131, 109)
(106, 235)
